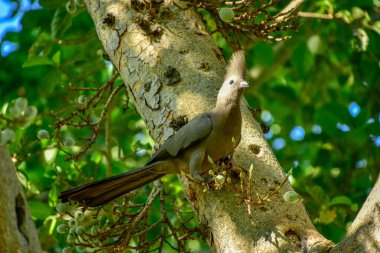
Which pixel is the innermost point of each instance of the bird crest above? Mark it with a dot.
(236, 66)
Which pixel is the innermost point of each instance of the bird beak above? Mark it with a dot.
(243, 85)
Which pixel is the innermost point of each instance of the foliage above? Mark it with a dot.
(319, 94)
(239, 22)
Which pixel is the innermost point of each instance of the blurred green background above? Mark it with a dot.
(319, 92)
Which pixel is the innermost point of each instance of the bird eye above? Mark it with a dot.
(231, 82)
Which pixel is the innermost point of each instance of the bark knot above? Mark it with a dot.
(178, 122)
(109, 20)
(254, 149)
(172, 76)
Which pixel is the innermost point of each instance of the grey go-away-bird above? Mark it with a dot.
(214, 133)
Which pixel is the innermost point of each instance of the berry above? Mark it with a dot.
(82, 99)
(30, 112)
(69, 141)
(72, 230)
(73, 222)
(79, 215)
(226, 14)
(7, 135)
(94, 230)
(62, 228)
(71, 238)
(62, 207)
(21, 103)
(220, 179)
(71, 8)
(43, 134)
(291, 196)
(79, 229)
(67, 250)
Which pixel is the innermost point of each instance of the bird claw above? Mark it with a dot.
(198, 178)
(228, 161)
(207, 184)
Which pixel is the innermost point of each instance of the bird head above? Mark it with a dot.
(234, 82)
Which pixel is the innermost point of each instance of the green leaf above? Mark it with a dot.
(354, 207)
(61, 22)
(285, 94)
(314, 44)
(329, 115)
(326, 120)
(363, 39)
(317, 193)
(51, 4)
(39, 209)
(37, 61)
(53, 195)
(340, 200)
(263, 54)
(362, 3)
(327, 216)
(53, 78)
(373, 128)
(302, 59)
(57, 58)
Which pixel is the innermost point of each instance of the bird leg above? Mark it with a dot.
(227, 161)
(195, 163)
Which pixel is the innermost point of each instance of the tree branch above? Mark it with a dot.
(364, 233)
(17, 231)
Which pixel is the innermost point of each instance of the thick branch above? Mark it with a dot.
(364, 233)
(17, 231)
(295, 4)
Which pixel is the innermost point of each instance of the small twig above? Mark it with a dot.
(271, 194)
(107, 151)
(138, 218)
(164, 218)
(60, 177)
(317, 15)
(97, 127)
(83, 88)
(237, 38)
(74, 41)
(249, 190)
(295, 4)
(150, 228)
(246, 20)
(6, 119)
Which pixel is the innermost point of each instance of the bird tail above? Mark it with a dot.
(103, 191)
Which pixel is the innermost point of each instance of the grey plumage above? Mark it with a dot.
(215, 133)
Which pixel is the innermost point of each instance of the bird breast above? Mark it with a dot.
(225, 136)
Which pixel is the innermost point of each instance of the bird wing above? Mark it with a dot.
(193, 132)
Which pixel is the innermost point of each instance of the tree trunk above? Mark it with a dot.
(17, 231)
(172, 67)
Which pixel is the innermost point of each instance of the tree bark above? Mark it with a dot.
(364, 233)
(172, 67)
(17, 231)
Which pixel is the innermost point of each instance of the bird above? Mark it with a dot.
(213, 134)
